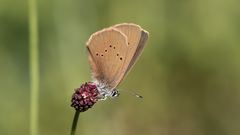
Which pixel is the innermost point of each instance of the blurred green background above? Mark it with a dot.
(189, 73)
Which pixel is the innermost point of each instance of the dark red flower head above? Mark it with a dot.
(85, 97)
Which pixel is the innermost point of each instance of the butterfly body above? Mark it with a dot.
(105, 91)
(112, 52)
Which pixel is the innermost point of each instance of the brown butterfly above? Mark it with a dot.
(112, 52)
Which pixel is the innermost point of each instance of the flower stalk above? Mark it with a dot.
(75, 121)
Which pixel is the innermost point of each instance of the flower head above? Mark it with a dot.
(85, 97)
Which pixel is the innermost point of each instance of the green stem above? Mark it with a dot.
(74, 124)
(34, 66)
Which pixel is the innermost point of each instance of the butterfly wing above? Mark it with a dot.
(107, 54)
(113, 52)
(137, 38)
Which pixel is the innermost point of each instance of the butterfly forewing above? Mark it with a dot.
(107, 53)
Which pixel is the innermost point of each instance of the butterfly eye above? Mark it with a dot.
(117, 54)
(121, 58)
(102, 55)
(110, 45)
(106, 50)
(97, 54)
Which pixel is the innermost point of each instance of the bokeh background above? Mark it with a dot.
(189, 73)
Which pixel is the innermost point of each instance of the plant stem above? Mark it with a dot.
(34, 66)
(74, 124)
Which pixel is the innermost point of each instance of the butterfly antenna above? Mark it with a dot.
(132, 93)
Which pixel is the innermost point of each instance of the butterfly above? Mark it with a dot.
(112, 52)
